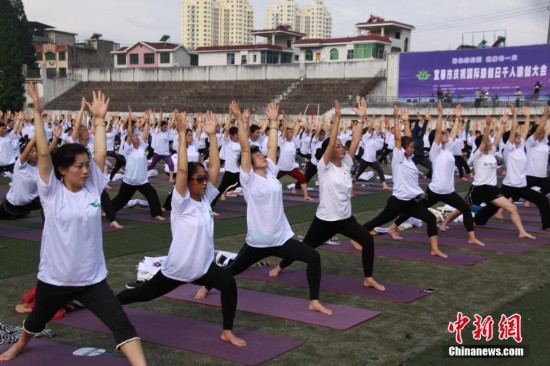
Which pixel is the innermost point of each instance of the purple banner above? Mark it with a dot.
(498, 70)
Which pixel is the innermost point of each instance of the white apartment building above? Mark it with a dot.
(206, 23)
(314, 19)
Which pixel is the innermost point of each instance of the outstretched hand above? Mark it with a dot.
(180, 121)
(209, 126)
(272, 112)
(99, 105)
(38, 101)
(361, 110)
(235, 110)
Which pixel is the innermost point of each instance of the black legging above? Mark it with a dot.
(425, 162)
(291, 249)
(395, 207)
(11, 212)
(461, 165)
(530, 195)
(311, 170)
(127, 191)
(452, 199)
(227, 181)
(107, 206)
(320, 231)
(120, 161)
(215, 277)
(363, 164)
(543, 183)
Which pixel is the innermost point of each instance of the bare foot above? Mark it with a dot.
(12, 352)
(275, 271)
(499, 216)
(315, 305)
(438, 253)
(394, 234)
(526, 235)
(171, 181)
(293, 190)
(373, 232)
(371, 282)
(214, 213)
(23, 308)
(223, 197)
(385, 187)
(201, 293)
(308, 198)
(114, 224)
(443, 227)
(228, 336)
(476, 241)
(108, 187)
(356, 245)
(526, 204)
(163, 209)
(159, 218)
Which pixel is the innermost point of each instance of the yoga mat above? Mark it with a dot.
(192, 335)
(299, 198)
(22, 233)
(339, 284)
(462, 242)
(106, 227)
(423, 255)
(509, 226)
(141, 217)
(504, 235)
(47, 353)
(282, 307)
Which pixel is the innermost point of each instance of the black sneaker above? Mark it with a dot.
(133, 285)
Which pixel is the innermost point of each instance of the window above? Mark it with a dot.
(255, 58)
(149, 58)
(351, 54)
(231, 59)
(39, 56)
(270, 57)
(62, 72)
(134, 59)
(362, 51)
(406, 44)
(395, 49)
(61, 56)
(286, 58)
(397, 35)
(334, 54)
(121, 59)
(288, 43)
(243, 59)
(164, 58)
(50, 56)
(51, 73)
(309, 55)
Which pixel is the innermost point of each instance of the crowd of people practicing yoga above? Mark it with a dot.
(58, 165)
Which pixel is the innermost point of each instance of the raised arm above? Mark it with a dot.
(396, 128)
(514, 129)
(272, 113)
(146, 124)
(361, 112)
(244, 133)
(500, 132)
(25, 154)
(333, 133)
(213, 153)
(99, 107)
(456, 123)
(182, 175)
(525, 131)
(45, 165)
(439, 123)
(57, 131)
(227, 126)
(78, 120)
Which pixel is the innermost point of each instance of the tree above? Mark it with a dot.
(15, 51)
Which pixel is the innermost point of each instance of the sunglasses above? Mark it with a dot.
(200, 178)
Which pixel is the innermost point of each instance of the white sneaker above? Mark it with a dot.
(231, 193)
(333, 241)
(291, 186)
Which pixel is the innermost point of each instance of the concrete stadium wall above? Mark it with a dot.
(392, 75)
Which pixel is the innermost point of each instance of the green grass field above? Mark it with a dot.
(405, 334)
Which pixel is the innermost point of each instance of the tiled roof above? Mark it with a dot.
(342, 40)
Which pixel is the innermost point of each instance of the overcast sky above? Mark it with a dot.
(440, 24)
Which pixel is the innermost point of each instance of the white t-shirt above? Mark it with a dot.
(537, 157)
(369, 142)
(334, 190)
(287, 155)
(344, 137)
(405, 176)
(161, 143)
(305, 143)
(485, 167)
(71, 252)
(265, 216)
(258, 143)
(231, 152)
(459, 144)
(110, 140)
(27, 130)
(24, 187)
(515, 160)
(136, 165)
(192, 249)
(7, 157)
(192, 150)
(443, 168)
(315, 144)
(390, 140)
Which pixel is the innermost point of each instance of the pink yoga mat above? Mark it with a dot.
(42, 352)
(283, 307)
(192, 335)
(339, 284)
(422, 255)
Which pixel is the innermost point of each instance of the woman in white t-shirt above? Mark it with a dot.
(268, 230)
(22, 198)
(135, 174)
(406, 190)
(370, 141)
(442, 187)
(514, 184)
(484, 187)
(333, 214)
(191, 254)
(72, 263)
(537, 156)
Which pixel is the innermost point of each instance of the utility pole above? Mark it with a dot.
(548, 37)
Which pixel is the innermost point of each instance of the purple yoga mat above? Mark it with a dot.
(504, 236)
(509, 226)
(283, 307)
(47, 353)
(339, 284)
(462, 242)
(141, 217)
(19, 232)
(192, 335)
(106, 227)
(299, 198)
(422, 255)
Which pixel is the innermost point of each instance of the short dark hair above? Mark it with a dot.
(65, 156)
(254, 128)
(253, 150)
(406, 141)
(233, 131)
(192, 168)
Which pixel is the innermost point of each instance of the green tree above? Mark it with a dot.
(15, 48)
